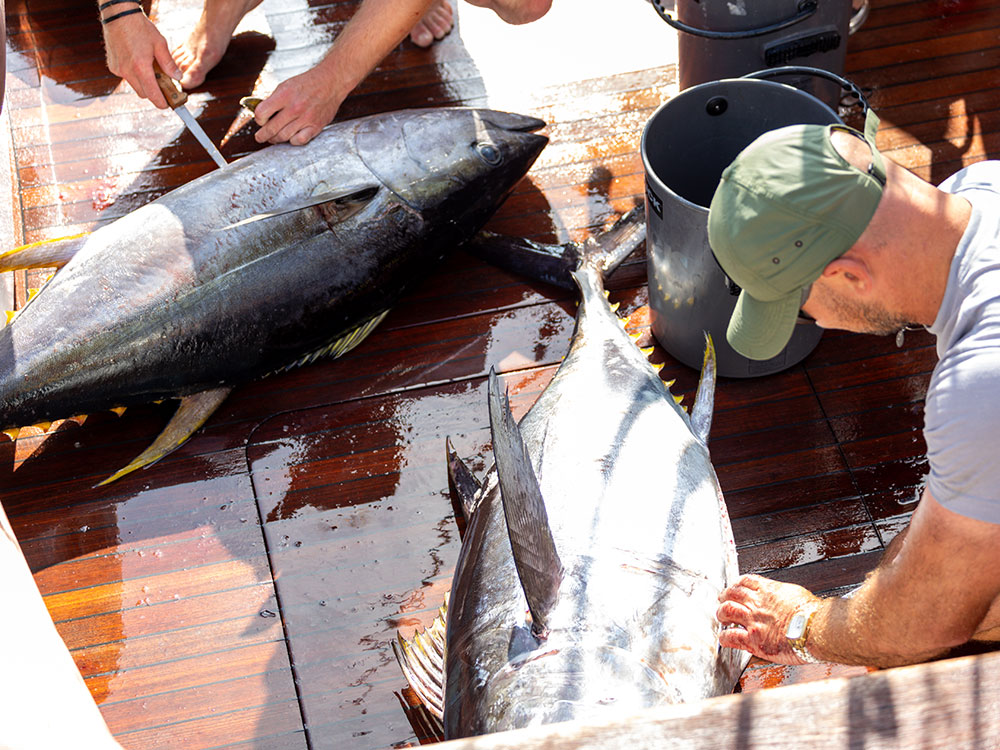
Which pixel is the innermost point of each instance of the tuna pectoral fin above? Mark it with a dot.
(462, 486)
(535, 556)
(190, 415)
(336, 205)
(549, 263)
(44, 254)
(554, 264)
(704, 399)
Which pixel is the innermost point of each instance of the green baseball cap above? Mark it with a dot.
(787, 205)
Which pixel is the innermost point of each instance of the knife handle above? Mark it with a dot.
(171, 91)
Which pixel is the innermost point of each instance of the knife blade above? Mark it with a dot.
(176, 98)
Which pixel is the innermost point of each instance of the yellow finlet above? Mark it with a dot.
(12, 433)
(10, 316)
(32, 293)
(43, 426)
(670, 383)
(615, 306)
(119, 410)
(647, 350)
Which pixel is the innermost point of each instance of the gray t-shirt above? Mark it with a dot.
(962, 412)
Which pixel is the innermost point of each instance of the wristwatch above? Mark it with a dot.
(798, 631)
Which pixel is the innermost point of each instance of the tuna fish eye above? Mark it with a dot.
(489, 153)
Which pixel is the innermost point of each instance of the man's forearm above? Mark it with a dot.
(371, 34)
(933, 590)
(859, 630)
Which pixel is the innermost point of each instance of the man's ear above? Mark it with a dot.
(849, 271)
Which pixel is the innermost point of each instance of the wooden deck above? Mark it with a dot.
(242, 593)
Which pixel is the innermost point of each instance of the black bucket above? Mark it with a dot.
(686, 145)
(728, 38)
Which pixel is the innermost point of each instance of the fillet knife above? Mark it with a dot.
(175, 98)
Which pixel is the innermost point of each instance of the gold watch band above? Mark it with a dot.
(798, 632)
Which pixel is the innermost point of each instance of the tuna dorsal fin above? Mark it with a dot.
(462, 486)
(704, 399)
(190, 415)
(44, 254)
(337, 205)
(535, 557)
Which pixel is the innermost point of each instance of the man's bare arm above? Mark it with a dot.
(931, 595)
(302, 105)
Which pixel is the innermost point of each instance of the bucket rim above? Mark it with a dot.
(648, 172)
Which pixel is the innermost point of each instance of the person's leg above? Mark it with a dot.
(46, 703)
(515, 11)
(210, 38)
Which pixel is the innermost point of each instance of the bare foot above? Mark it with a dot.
(435, 24)
(208, 41)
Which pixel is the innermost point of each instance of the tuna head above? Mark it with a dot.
(455, 165)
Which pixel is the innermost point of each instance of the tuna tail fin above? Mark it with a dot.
(554, 264)
(45, 254)
(190, 415)
(619, 241)
(535, 557)
(463, 487)
(704, 399)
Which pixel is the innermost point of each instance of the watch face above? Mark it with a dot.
(796, 627)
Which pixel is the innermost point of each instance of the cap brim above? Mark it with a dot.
(760, 330)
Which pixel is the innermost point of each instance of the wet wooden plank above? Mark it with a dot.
(948, 704)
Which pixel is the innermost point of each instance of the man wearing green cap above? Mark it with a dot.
(812, 222)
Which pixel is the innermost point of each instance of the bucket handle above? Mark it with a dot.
(805, 9)
(820, 73)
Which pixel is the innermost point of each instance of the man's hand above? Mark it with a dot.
(132, 44)
(298, 109)
(755, 613)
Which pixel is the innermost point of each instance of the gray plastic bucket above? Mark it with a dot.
(728, 38)
(686, 145)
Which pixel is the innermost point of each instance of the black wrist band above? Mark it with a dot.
(109, 3)
(106, 21)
